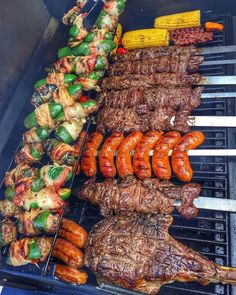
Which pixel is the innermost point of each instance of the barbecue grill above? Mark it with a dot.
(212, 233)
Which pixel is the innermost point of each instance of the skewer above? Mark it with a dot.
(218, 62)
(213, 204)
(219, 95)
(218, 80)
(218, 49)
(212, 121)
(209, 153)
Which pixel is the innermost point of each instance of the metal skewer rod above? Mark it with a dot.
(211, 121)
(213, 204)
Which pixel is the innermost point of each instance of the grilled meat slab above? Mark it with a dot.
(131, 119)
(133, 195)
(155, 52)
(174, 97)
(149, 81)
(163, 64)
(135, 251)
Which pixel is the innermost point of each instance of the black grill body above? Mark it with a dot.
(212, 233)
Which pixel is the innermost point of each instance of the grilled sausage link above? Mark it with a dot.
(73, 232)
(141, 161)
(180, 160)
(71, 275)
(160, 160)
(68, 253)
(123, 160)
(88, 161)
(107, 153)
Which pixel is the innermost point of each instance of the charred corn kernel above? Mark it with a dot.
(189, 19)
(145, 38)
(117, 37)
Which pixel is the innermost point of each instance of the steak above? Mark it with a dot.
(149, 81)
(135, 251)
(155, 52)
(174, 97)
(147, 196)
(162, 64)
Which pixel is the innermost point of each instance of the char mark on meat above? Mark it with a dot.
(136, 251)
(147, 196)
(149, 81)
(155, 52)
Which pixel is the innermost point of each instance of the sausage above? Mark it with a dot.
(78, 147)
(180, 161)
(68, 253)
(107, 153)
(141, 162)
(160, 160)
(88, 161)
(73, 232)
(71, 275)
(123, 160)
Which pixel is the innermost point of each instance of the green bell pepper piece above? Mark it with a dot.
(37, 184)
(65, 51)
(30, 121)
(108, 45)
(34, 251)
(81, 50)
(40, 83)
(74, 31)
(68, 78)
(64, 135)
(34, 205)
(10, 192)
(54, 172)
(69, 176)
(109, 36)
(55, 109)
(42, 133)
(73, 89)
(40, 221)
(95, 75)
(64, 193)
(35, 153)
(100, 64)
(120, 5)
(89, 37)
(88, 104)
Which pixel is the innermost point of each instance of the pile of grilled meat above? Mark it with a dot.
(151, 89)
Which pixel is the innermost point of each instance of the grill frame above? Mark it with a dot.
(32, 276)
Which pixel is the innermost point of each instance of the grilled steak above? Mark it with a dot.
(155, 52)
(149, 81)
(133, 195)
(135, 251)
(174, 97)
(163, 64)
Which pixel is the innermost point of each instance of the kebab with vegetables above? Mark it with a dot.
(30, 154)
(7, 232)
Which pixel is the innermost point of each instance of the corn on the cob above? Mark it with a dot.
(145, 38)
(189, 19)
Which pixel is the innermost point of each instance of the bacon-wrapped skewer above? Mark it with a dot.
(30, 154)
(37, 221)
(7, 232)
(29, 250)
(49, 175)
(8, 209)
(35, 135)
(70, 16)
(60, 152)
(47, 198)
(21, 173)
(81, 65)
(77, 32)
(50, 115)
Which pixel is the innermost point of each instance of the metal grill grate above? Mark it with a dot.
(208, 233)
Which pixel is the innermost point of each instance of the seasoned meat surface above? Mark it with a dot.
(147, 196)
(135, 251)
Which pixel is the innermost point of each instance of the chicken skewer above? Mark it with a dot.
(156, 259)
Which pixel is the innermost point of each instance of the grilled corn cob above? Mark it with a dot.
(145, 38)
(170, 22)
